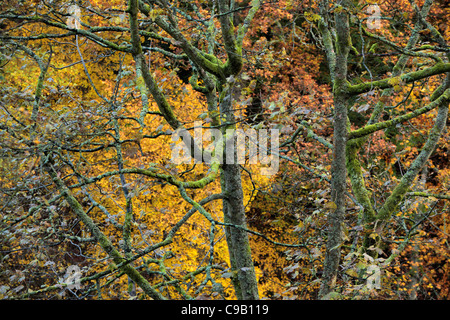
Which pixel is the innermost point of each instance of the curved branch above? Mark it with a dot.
(444, 98)
(90, 35)
(439, 68)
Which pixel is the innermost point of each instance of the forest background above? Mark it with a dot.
(94, 207)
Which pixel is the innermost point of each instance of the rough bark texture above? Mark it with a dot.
(245, 282)
(339, 170)
(239, 242)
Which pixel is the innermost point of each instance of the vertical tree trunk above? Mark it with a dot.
(339, 170)
(339, 173)
(414, 257)
(238, 242)
(244, 278)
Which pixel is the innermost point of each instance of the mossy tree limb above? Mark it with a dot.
(102, 240)
(438, 68)
(371, 128)
(355, 143)
(407, 180)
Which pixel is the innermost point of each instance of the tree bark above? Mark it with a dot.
(339, 170)
(244, 278)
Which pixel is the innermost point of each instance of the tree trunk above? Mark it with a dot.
(339, 171)
(238, 242)
(244, 278)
